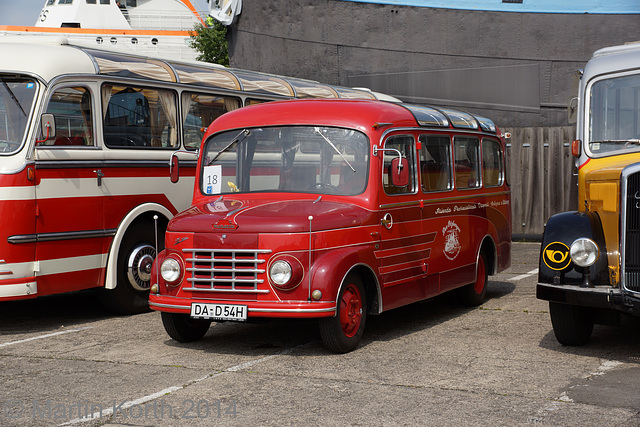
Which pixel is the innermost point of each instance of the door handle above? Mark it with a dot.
(100, 175)
(387, 221)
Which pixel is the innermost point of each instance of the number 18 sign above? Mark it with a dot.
(211, 179)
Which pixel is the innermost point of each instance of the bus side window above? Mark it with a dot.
(493, 174)
(198, 111)
(71, 107)
(404, 144)
(435, 163)
(139, 117)
(467, 162)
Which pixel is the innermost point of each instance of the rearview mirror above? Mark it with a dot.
(400, 172)
(174, 168)
(47, 127)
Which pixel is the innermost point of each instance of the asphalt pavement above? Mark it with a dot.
(64, 360)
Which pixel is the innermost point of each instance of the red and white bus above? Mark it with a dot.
(86, 137)
(334, 210)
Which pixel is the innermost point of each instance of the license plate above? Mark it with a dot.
(218, 311)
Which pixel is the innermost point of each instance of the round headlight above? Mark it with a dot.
(170, 270)
(280, 272)
(584, 252)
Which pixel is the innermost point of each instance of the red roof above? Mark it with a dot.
(359, 114)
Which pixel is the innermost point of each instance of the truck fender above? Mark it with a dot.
(560, 232)
(332, 267)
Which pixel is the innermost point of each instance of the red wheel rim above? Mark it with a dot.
(480, 280)
(350, 310)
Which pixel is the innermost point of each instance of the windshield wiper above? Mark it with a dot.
(6, 86)
(239, 138)
(317, 129)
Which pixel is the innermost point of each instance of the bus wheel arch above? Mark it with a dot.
(474, 293)
(371, 288)
(130, 256)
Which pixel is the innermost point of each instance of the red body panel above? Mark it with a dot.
(42, 240)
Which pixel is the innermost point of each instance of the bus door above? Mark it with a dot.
(403, 251)
(70, 235)
(436, 180)
(459, 236)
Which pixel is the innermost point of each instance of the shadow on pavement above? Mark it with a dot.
(50, 312)
(262, 338)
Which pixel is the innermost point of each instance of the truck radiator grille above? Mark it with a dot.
(631, 233)
(215, 270)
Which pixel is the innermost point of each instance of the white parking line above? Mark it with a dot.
(39, 337)
(169, 390)
(523, 276)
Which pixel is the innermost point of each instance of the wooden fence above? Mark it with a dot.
(541, 173)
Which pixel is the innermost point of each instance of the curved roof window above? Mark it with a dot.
(427, 116)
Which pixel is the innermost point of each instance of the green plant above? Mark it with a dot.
(211, 41)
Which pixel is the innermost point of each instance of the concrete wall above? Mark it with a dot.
(518, 69)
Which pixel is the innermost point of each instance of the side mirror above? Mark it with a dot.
(174, 168)
(47, 127)
(572, 110)
(400, 172)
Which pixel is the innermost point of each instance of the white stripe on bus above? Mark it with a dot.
(67, 265)
(17, 193)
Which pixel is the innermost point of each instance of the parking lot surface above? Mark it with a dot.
(64, 360)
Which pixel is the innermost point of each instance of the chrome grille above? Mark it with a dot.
(631, 232)
(216, 270)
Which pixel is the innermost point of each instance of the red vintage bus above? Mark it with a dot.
(334, 210)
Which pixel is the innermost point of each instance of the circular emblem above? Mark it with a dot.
(451, 240)
(556, 256)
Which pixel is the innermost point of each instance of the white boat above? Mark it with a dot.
(148, 27)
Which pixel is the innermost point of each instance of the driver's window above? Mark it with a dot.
(73, 112)
(394, 146)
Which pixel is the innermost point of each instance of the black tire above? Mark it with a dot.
(137, 252)
(183, 328)
(572, 324)
(342, 332)
(475, 293)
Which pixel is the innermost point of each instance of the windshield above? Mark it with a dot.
(309, 159)
(614, 115)
(16, 98)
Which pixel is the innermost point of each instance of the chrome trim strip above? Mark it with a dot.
(228, 270)
(444, 199)
(157, 304)
(80, 164)
(235, 291)
(292, 310)
(67, 235)
(242, 251)
(226, 280)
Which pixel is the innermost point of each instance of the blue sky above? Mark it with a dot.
(25, 12)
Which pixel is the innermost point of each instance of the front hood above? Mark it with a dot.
(270, 216)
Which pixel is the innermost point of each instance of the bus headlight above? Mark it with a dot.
(584, 252)
(285, 272)
(280, 272)
(170, 270)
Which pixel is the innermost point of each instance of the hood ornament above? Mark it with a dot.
(225, 224)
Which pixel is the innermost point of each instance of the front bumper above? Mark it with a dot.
(598, 297)
(274, 309)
